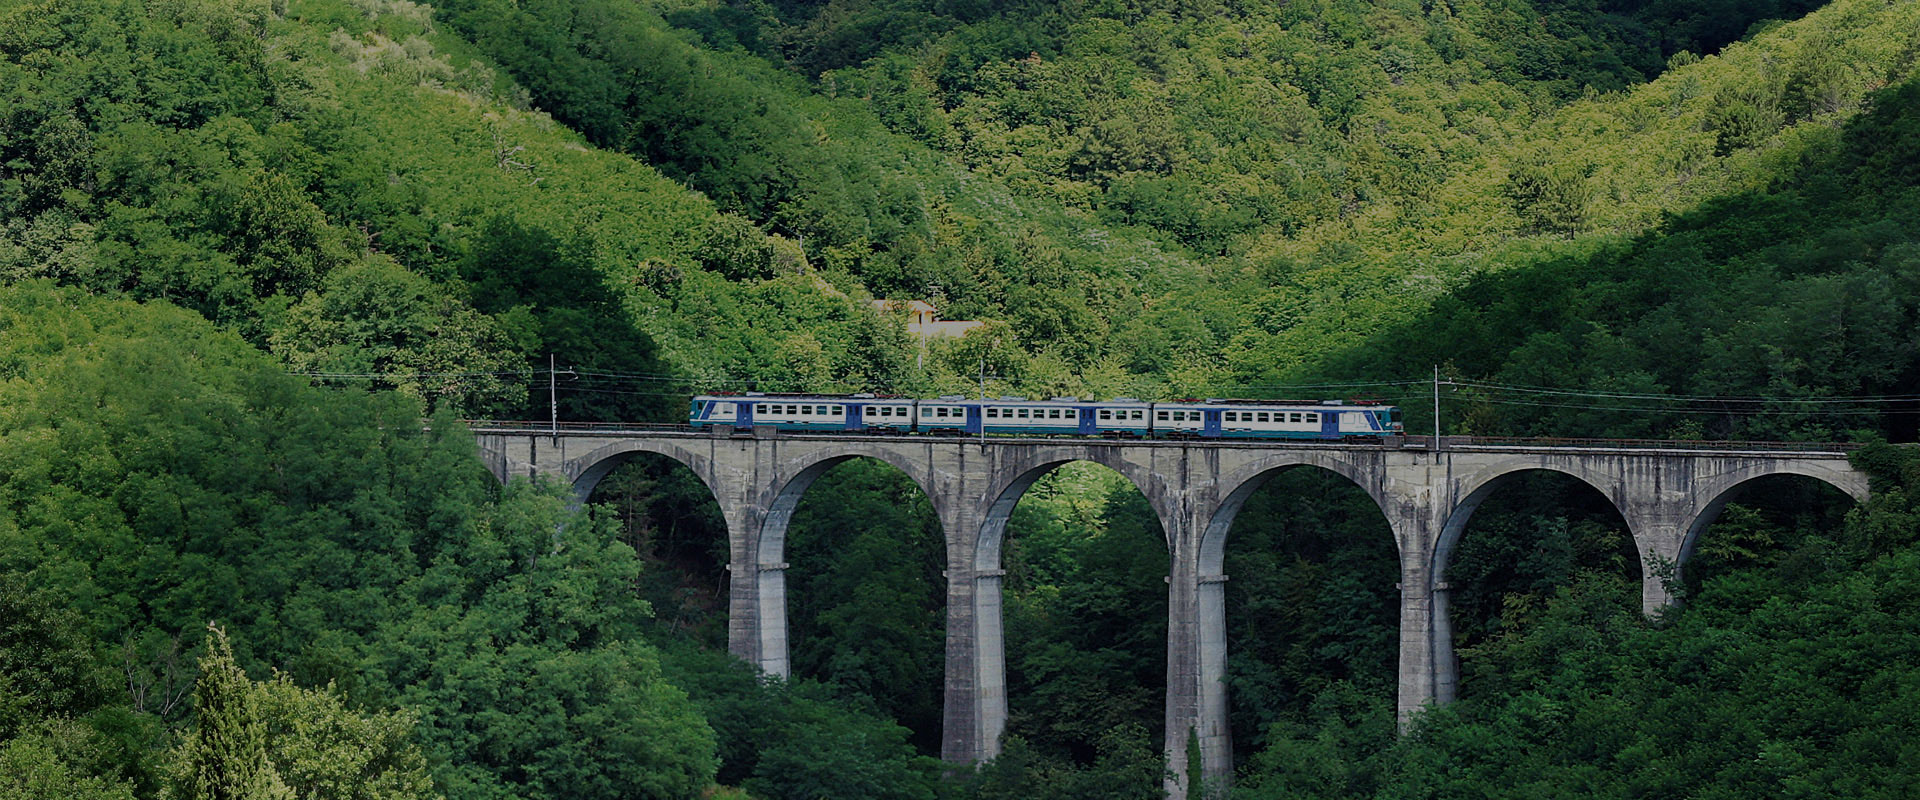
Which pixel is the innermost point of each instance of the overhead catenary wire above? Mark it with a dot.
(598, 381)
(1544, 390)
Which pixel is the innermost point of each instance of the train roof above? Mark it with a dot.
(1052, 401)
(1234, 401)
(839, 398)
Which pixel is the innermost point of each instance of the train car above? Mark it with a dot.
(1253, 419)
(949, 414)
(1191, 419)
(1056, 417)
(1123, 417)
(709, 410)
(796, 412)
(875, 414)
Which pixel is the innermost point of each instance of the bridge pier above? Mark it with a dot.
(1659, 549)
(976, 674)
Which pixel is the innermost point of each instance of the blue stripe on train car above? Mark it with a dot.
(1272, 435)
(1049, 429)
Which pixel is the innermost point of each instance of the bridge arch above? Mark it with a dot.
(975, 606)
(795, 477)
(1475, 489)
(588, 470)
(1472, 491)
(1241, 483)
(1014, 479)
(1211, 588)
(1714, 496)
(766, 549)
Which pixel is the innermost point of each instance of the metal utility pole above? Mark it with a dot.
(553, 397)
(983, 400)
(1436, 408)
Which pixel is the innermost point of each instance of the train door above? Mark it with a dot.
(856, 417)
(1086, 421)
(1329, 425)
(744, 414)
(1210, 423)
(973, 419)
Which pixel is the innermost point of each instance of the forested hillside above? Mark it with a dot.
(259, 259)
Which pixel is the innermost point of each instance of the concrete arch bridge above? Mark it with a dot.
(1667, 494)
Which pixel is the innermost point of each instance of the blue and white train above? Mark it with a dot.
(1122, 417)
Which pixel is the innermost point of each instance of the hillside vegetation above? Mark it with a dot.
(258, 259)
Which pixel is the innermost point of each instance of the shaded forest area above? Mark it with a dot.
(258, 259)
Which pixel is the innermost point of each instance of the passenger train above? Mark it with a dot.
(1122, 417)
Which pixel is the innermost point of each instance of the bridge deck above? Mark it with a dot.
(1503, 444)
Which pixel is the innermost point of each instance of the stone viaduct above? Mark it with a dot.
(1666, 494)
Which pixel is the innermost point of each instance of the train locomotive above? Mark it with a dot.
(1060, 416)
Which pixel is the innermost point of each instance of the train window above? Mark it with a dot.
(1073, 413)
(1313, 416)
(806, 410)
(1139, 415)
(836, 411)
(1022, 413)
(1160, 415)
(993, 413)
(1106, 413)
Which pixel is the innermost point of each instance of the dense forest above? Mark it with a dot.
(259, 259)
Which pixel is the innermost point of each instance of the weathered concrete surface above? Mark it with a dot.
(1196, 488)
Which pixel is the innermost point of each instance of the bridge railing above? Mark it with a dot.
(1635, 444)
